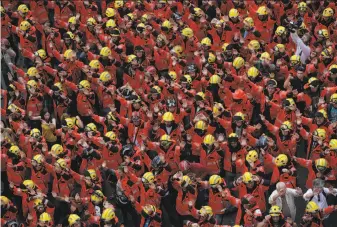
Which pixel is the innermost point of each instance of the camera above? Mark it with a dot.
(294, 25)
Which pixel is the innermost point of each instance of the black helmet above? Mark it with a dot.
(156, 162)
(127, 150)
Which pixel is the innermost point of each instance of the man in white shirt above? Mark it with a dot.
(319, 194)
(285, 198)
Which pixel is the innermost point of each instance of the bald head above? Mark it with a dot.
(281, 188)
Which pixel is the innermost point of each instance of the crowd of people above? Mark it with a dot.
(168, 113)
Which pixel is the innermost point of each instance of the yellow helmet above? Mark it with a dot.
(84, 84)
(110, 12)
(70, 123)
(332, 67)
(29, 184)
(206, 210)
(38, 158)
(198, 12)
(233, 135)
(32, 71)
(97, 196)
(206, 41)
(249, 22)
(323, 113)
(320, 132)
(156, 89)
(290, 102)
(72, 20)
(252, 156)
(238, 62)
(110, 23)
(149, 208)
(42, 54)
(148, 178)
(265, 56)
(38, 202)
(168, 116)
(105, 77)
(333, 98)
(14, 150)
(333, 144)
(73, 219)
(71, 35)
(323, 32)
(262, 11)
(35, 133)
(45, 217)
(224, 46)
(187, 32)
(108, 214)
(131, 16)
(280, 30)
(253, 72)
(94, 64)
(214, 180)
(312, 79)
(173, 75)
(141, 25)
(186, 180)
(281, 160)
(118, 4)
(209, 139)
(2, 9)
(144, 18)
(321, 162)
(215, 79)
(247, 177)
(91, 127)
(216, 109)
(177, 50)
(23, 8)
(275, 211)
(61, 163)
(68, 54)
(311, 207)
(239, 116)
(188, 78)
(302, 6)
(25, 25)
(32, 84)
(130, 58)
(4, 200)
(201, 125)
(295, 59)
(105, 52)
(233, 13)
(327, 52)
(57, 149)
(280, 47)
(166, 24)
(201, 95)
(13, 108)
(165, 137)
(254, 45)
(92, 174)
(111, 135)
(211, 58)
(91, 21)
(286, 125)
(328, 12)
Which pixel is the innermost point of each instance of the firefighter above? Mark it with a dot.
(254, 185)
(314, 216)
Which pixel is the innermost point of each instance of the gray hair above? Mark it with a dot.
(318, 183)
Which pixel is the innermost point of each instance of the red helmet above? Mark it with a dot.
(238, 94)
